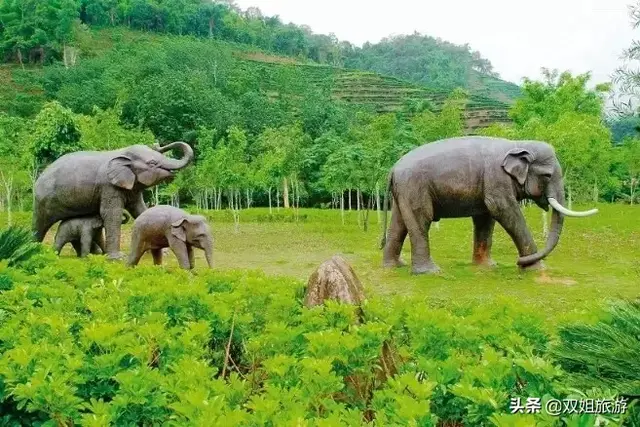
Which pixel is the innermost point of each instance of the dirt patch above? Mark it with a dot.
(545, 279)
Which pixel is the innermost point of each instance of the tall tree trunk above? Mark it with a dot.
(342, 206)
(278, 198)
(596, 193)
(8, 187)
(270, 209)
(368, 206)
(358, 205)
(285, 193)
(211, 24)
(570, 197)
(20, 58)
(378, 201)
(349, 200)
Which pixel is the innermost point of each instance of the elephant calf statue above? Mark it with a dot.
(104, 183)
(483, 178)
(166, 226)
(84, 234)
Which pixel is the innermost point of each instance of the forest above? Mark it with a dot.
(294, 134)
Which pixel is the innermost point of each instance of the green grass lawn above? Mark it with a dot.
(597, 257)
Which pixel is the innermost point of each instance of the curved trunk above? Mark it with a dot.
(557, 220)
(171, 164)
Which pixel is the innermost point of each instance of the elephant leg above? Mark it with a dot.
(157, 256)
(179, 249)
(511, 219)
(99, 242)
(395, 240)
(111, 213)
(418, 230)
(192, 260)
(41, 224)
(76, 247)
(137, 249)
(58, 243)
(483, 226)
(137, 206)
(86, 241)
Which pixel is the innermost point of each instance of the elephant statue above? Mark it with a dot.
(484, 178)
(165, 226)
(88, 183)
(84, 234)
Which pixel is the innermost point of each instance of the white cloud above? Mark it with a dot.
(518, 37)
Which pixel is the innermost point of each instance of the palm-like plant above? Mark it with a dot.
(604, 355)
(17, 245)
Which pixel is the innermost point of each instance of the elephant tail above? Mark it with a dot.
(387, 192)
(125, 217)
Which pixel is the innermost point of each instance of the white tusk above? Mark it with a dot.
(557, 206)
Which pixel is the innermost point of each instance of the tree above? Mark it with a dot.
(626, 77)
(54, 133)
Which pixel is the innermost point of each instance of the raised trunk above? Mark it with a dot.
(172, 164)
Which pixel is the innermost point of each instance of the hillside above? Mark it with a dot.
(116, 51)
(435, 63)
(385, 94)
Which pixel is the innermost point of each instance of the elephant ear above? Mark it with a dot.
(178, 230)
(119, 172)
(516, 163)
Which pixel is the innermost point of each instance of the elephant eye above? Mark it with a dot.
(152, 162)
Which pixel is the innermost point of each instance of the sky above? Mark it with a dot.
(518, 37)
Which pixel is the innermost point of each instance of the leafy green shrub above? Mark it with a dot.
(17, 245)
(93, 343)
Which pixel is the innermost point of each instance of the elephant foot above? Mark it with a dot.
(486, 262)
(393, 263)
(429, 268)
(538, 266)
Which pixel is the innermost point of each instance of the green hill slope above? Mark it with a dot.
(106, 59)
(384, 94)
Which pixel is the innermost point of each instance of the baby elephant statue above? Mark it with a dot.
(165, 226)
(85, 234)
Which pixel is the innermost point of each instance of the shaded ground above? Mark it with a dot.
(597, 257)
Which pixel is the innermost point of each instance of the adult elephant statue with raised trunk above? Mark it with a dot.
(483, 178)
(103, 183)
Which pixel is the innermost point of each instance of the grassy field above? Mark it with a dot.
(596, 259)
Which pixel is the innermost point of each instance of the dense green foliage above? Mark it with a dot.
(434, 63)
(90, 342)
(30, 33)
(562, 111)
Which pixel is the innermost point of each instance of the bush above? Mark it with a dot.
(17, 245)
(93, 343)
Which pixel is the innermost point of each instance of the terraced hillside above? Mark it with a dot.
(384, 94)
(22, 91)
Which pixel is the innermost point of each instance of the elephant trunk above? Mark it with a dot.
(557, 220)
(172, 164)
(559, 212)
(208, 253)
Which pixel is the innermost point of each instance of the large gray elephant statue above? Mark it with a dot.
(165, 226)
(483, 178)
(102, 183)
